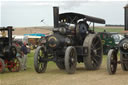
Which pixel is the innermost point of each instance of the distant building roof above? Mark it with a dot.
(36, 34)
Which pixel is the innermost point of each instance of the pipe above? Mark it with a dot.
(10, 34)
(56, 16)
(126, 17)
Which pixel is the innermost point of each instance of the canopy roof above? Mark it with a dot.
(126, 6)
(72, 18)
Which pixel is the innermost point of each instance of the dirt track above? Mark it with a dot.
(54, 76)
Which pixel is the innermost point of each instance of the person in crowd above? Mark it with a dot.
(19, 52)
(24, 53)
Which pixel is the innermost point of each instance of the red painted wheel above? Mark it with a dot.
(2, 65)
(14, 65)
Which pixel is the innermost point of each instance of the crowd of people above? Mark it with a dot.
(22, 52)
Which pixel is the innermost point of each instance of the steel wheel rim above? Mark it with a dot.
(72, 59)
(113, 62)
(96, 49)
(41, 65)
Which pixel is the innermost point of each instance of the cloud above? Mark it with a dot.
(70, 4)
(64, 0)
(64, 4)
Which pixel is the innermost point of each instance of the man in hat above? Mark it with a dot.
(24, 52)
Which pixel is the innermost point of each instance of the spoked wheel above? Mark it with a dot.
(112, 62)
(39, 64)
(2, 66)
(14, 65)
(60, 64)
(124, 63)
(70, 60)
(13, 51)
(94, 58)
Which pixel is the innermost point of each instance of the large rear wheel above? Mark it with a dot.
(112, 62)
(40, 64)
(70, 60)
(94, 57)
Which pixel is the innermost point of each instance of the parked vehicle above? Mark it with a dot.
(110, 40)
(112, 59)
(70, 44)
(121, 48)
(8, 51)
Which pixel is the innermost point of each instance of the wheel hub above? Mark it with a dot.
(72, 60)
(95, 52)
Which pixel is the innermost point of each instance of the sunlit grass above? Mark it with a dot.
(119, 30)
(30, 60)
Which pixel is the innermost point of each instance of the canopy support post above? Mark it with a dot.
(93, 26)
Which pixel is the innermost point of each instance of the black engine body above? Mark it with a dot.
(71, 42)
(7, 50)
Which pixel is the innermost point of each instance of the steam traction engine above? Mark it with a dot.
(8, 51)
(72, 41)
(122, 48)
(112, 59)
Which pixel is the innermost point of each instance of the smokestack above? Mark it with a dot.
(10, 34)
(56, 16)
(126, 17)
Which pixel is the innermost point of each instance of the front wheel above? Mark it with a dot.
(2, 65)
(39, 64)
(14, 65)
(70, 60)
(112, 62)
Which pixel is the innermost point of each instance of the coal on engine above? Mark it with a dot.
(72, 41)
(8, 51)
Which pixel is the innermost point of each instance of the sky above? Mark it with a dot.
(27, 13)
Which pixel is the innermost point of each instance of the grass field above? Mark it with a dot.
(119, 30)
(54, 76)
